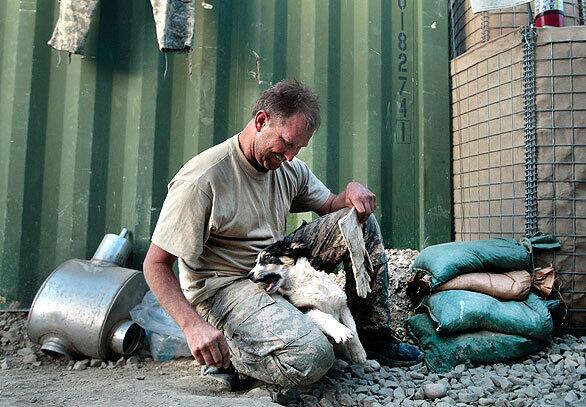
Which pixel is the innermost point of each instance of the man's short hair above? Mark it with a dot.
(285, 98)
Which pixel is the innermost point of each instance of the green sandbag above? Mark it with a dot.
(460, 311)
(445, 351)
(448, 260)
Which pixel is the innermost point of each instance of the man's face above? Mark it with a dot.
(278, 140)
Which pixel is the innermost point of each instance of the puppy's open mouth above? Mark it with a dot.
(271, 281)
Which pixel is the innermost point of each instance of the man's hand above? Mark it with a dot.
(359, 197)
(208, 345)
(356, 196)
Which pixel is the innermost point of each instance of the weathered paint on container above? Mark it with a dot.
(87, 146)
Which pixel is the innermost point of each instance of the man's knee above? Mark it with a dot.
(307, 360)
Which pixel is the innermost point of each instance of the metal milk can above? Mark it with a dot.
(83, 307)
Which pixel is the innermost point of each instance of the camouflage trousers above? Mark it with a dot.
(174, 21)
(270, 339)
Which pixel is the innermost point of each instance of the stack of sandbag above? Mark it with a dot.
(480, 308)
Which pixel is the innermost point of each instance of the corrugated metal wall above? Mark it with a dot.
(88, 145)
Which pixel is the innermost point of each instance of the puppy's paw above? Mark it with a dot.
(341, 334)
(357, 352)
(362, 284)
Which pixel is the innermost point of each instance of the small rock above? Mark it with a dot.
(435, 390)
(34, 400)
(571, 398)
(29, 359)
(96, 362)
(555, 358)
(361, 389)
(81, 365)
(25, 352)
(370, 402)
(460, 368)
(419, 395)
(570, 362)
(501, 382)
(532, 391)
(416, 376)
(120, 362)
(6, 364)
(103, 365)
(371, 366)
(345, 399)
(358, 371)
(384, 373)
(399, 393)
(324, 402)
(259, 392)
(518, 402)
(140, 376)
(465, 397)
(501, 402)
(484, 401)
(479, 391)
(519, 381)
(133, 361)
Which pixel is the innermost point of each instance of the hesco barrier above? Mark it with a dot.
(88, 146)
(469, 29)
(519, 148)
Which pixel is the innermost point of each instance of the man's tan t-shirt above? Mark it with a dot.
(220, 212)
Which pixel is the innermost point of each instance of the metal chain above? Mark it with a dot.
(581, 13)
(528, 33)
(484, 26)
(452, 29)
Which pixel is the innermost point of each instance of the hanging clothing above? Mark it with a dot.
(174, 22)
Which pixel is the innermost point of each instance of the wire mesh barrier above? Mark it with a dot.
(468, 30)
(488, 142)
(519, 148)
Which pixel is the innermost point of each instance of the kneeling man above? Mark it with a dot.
(227, 204)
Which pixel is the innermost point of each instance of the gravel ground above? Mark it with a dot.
(555, 377)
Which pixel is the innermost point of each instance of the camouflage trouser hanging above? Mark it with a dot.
(329, 250)
(273, 341)
(174, 21)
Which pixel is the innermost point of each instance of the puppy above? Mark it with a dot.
(284, 268)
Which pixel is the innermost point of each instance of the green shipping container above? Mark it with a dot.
(88, 144)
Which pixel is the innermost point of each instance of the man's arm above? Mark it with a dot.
(356, 196)
(207, 344)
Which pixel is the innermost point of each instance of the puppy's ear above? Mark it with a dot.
(299, 249)
(287, 261)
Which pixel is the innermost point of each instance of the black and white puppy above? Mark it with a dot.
(284, 268)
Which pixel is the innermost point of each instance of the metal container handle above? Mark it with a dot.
(113, 249)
